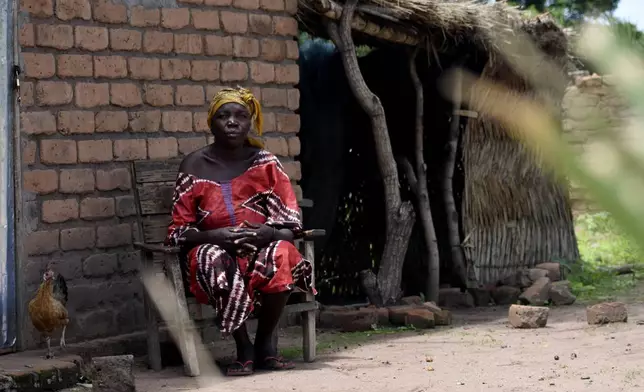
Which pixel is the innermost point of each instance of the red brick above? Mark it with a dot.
(26, 94)
(293, 99)
(125, 95)
(97, 208)
(77, 238)
(35, 123)
(219, 46)
(190, 96)
(293, 169)
(262, 72)
(73, 9)
(39, 66)
(107, 11)
(40, 181)
(55, 36)
(41, 242)
(292, 50)
(188, 43)
(75, 66)
(75, 121)
(130, 149)
(26, 35)
(191, 1)
(175, 121)
(158, 42)
(190, 144)
(205, 20)
(91, 38)
(77, 181)
(287, 74)
(287, 122)
(113, 67)
(175, 18)
(273, 50)
(175, 69)
(294, 146)
(205, 70)
(144, 17)
(125, 39)
(285, 25)
(94, 151)
(234, 22)
(38, 8)
(234, 71)
(111, 121)
(145, 121)
(221, 3)
(212, 90)
(89, 95)
(114, 236)
(245, 47)
(109, 180)
(53, 93)
(29, 152)
(162, 147)
(158, 95)
(274, 97)
(246, 4)
(272, 5)
(260, 24)
(291, 6)
(200, 122)
(144, 68)
(276, 145)
(58, 151)
(269, 122)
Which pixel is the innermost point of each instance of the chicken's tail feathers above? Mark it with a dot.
(60, 289)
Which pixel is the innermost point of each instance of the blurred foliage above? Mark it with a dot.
(361, 50)
(568, 11)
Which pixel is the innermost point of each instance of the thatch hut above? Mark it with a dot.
(512, 213)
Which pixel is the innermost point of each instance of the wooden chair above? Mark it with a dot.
(153, 183)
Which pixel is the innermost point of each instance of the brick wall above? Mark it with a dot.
(593, 109)
(109, 81)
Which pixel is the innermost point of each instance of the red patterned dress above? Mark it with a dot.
(262, 194)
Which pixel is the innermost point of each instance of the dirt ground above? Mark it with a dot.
(480, 352)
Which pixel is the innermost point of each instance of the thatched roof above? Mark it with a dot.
(441, 22)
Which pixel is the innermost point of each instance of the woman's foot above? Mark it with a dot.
(238, 368)
(274, 363)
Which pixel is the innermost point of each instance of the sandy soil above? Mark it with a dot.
(479, 353)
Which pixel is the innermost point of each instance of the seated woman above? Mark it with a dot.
(234, 213)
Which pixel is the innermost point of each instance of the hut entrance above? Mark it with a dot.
(340, 170)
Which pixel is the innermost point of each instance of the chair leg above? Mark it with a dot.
(186, 335)
(151, 320)
(309, 340)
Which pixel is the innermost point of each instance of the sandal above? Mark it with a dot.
(240, 369)
(275, 363)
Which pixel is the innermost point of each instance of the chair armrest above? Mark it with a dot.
(310, 234)
(157, 248)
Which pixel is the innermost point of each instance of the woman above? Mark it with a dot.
(235, 213)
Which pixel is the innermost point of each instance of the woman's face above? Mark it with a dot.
(231, 124)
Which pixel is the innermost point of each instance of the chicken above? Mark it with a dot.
(47, 309)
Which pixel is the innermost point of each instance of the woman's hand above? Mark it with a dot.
(224, 237)
(261, 236)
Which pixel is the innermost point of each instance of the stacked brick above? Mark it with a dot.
(107, 83)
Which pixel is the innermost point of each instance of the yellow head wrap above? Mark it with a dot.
(242, 97)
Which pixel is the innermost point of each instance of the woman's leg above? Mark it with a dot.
(268, 318)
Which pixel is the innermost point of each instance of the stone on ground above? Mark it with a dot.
(7, 384)
(411, 316)
(113, 374)
(607, 312)
(560, 294)
(411, 300)
(553, 270)
(505, 295)
(351, 320)
(521, 316)
(535, 274)
(453, 298)
(537, 294)
(441, 316)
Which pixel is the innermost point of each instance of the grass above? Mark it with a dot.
(602, 246)
(336, 341)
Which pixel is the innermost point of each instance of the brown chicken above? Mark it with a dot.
(47, 309)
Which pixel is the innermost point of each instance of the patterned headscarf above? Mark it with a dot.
(242, 97)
